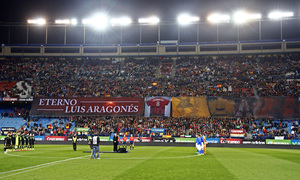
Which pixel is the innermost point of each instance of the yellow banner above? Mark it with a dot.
(189, 107)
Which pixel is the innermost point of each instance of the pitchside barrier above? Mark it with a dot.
(170, 140)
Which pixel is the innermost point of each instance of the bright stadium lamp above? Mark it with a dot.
(217, 18)
(242, 17)
(39, 21)
(150, 20)
(73, 21)
(278, 15)
(185, 19)
(123, 21)
(98, 21)
(62, 21)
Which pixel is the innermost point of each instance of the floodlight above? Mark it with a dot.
(242, 17)
(39, 21)
(279, 15)
(99, 21)
(217, 18)
(123, 21)
(185, 19)
(73, 21)
(62, 21)
(150, 20)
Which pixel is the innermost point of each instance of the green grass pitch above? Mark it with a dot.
(150, 162)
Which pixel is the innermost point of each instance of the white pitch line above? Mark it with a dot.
(36, 167)
(33, 156)
(143, 158)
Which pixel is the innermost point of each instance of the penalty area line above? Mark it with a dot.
(32, 168)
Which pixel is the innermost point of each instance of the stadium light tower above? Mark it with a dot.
(123, 21)
(218, 18)
(150, 20)
(241, 17)
(276, 15)
(185, 19)
(98, 21)
(39, 21)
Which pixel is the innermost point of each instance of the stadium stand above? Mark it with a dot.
(11, 122)
(232, 76)
(226, 76)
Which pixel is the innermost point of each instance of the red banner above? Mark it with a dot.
(230, 141)
(10, 99)
(87, 106)
(56, 138)
(237, 131)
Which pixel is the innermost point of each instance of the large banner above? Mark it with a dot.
(261, 107)
(189, 107)
(87, 106)
(158, 106)
(258, 107)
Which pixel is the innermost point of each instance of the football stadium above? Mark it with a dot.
(169, 89)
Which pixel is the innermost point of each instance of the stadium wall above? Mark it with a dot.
(143, 50)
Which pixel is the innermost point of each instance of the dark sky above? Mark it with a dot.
(167, 10)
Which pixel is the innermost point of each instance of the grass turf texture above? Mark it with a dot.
(150, 162)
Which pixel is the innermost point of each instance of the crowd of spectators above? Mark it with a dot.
(178, 126)
(230, 76)
(16, 112)
(60, 127)
(268, 129)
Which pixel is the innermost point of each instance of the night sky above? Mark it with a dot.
(167, 10)
(16, 12)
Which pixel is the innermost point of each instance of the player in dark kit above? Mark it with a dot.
(8, 142)
(13, 140)
(5, 144)
(26, 141)
(32, 138)
(22, 141)
(29, 141)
